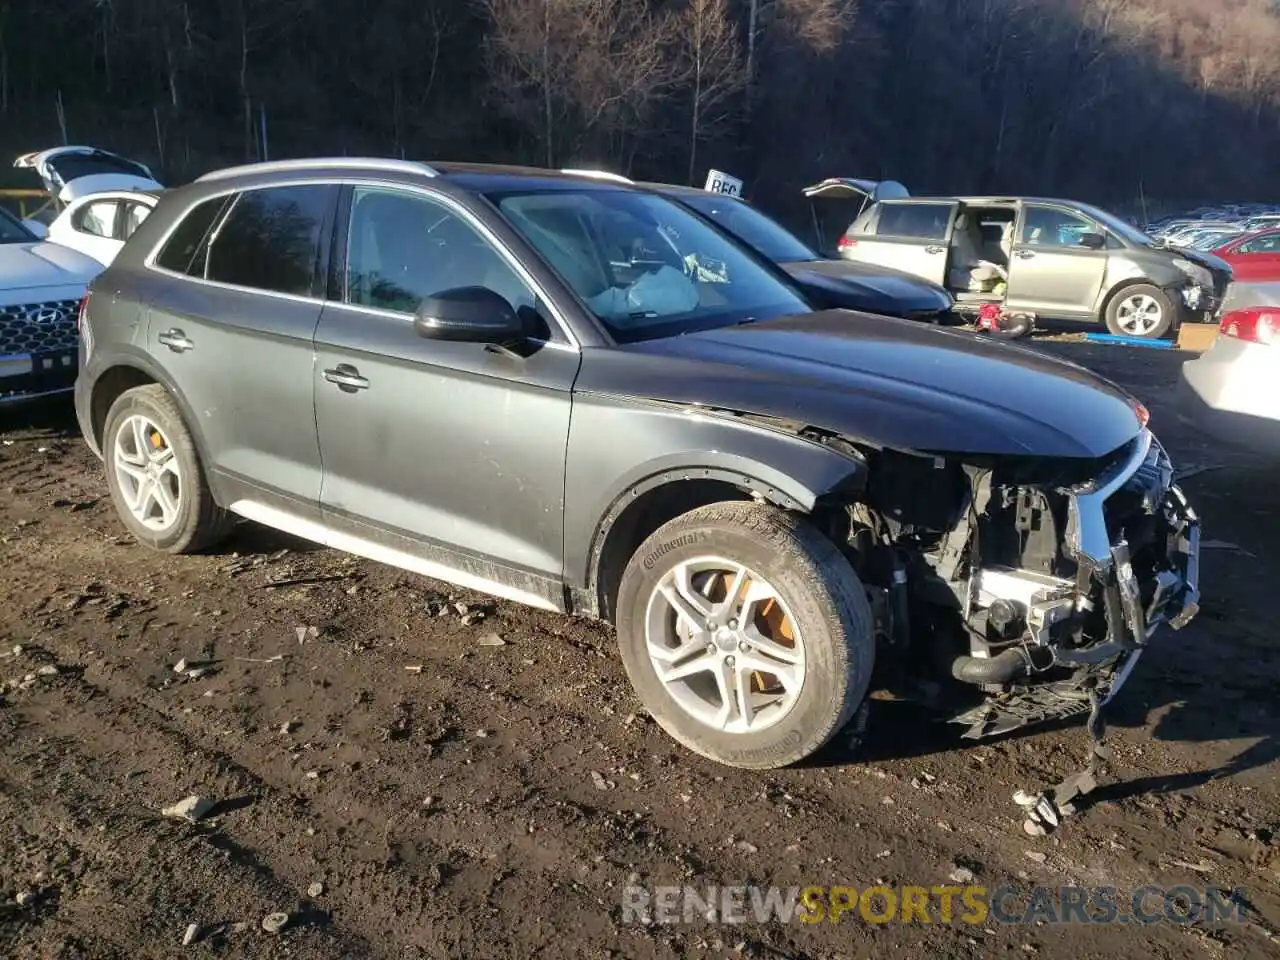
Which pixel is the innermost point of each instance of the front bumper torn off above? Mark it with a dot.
(1135, 606)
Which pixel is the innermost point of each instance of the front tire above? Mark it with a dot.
(746, 634)
(154, 474)
(1141, 310)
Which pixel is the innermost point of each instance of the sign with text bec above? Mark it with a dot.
(720, 182)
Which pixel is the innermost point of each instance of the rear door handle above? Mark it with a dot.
(1025, 254)
(347, 378)
(176, 340)
(934, 248)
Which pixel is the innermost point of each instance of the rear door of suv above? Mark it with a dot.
(451, 452)
(233, 312)
(909, 235)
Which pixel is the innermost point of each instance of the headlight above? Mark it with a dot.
(1193, 270)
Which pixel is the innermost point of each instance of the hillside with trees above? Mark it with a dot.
(1106, 100)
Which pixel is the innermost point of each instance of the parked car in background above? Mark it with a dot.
(41, 287)
(1055, 259)
(1254, 257)
(72, 172)
(827, 282)
(1230, 391)
(579, 395)
(98, 224)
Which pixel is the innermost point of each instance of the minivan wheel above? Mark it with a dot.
(1142, 310)
(155, 476)
(746, 634)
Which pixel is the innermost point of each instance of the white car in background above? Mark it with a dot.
(69, 173)
(42, 285)
(98, 224)
(1230, 390)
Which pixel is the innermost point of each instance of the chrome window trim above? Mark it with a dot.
(572, 341)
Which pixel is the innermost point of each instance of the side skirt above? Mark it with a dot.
(361, 547)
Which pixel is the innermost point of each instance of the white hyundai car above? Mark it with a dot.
(41, 287)
(98, 224)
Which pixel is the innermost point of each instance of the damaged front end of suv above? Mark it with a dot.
(1016, 590)
(1036, 586)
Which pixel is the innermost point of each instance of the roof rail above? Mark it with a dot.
(599, 175)
(316, 163)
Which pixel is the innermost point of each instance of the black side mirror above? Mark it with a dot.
(1094, 241)
(469, 314)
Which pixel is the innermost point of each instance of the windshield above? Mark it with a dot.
(1117, 226)
(645, 266)
(12, 230)
(752, 227)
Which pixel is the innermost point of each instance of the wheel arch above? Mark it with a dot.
(1118, 288)
(124, 374)
(644, 505)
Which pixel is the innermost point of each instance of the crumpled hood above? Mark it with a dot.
(894, 383)
(868, 287)
(44, 264)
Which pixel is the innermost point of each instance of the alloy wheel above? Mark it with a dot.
(1139, 315)
(724, 645)
(148, 473)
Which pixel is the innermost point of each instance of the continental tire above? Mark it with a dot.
(744, 599)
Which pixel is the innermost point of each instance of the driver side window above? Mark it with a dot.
(403, 248)
(1051, 227)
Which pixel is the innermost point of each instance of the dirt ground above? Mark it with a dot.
(461, 799)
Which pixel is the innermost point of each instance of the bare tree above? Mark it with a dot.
(714, 71)
(583, 67)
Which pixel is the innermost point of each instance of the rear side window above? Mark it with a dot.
(270, 239)
(179, 253)
(97, 219)
(914, 221)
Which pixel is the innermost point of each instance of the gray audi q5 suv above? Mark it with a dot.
(580, 395)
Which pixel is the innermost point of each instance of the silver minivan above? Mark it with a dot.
(1052, 259)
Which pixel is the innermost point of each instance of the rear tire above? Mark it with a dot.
(1141, 310)
(154, 473)
(800, 660)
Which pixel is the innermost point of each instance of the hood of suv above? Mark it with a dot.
(876, 289)
(24, 266)
(890, 382)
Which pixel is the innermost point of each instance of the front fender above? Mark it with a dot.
(621, 448)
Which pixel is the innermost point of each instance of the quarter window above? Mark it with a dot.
(97, 219)
(270, 239)
(185, 250)
(403, 248)
(915, 221)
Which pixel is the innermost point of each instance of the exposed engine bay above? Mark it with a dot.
(1034, 582)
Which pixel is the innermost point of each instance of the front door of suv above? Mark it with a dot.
(1050, 271)
(235, 305)
(450, 452)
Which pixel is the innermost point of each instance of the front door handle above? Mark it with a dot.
(934, 248)
(347, 378)
(1025, 254)
(176, 340)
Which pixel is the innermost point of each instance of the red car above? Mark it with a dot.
(1255, 256)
